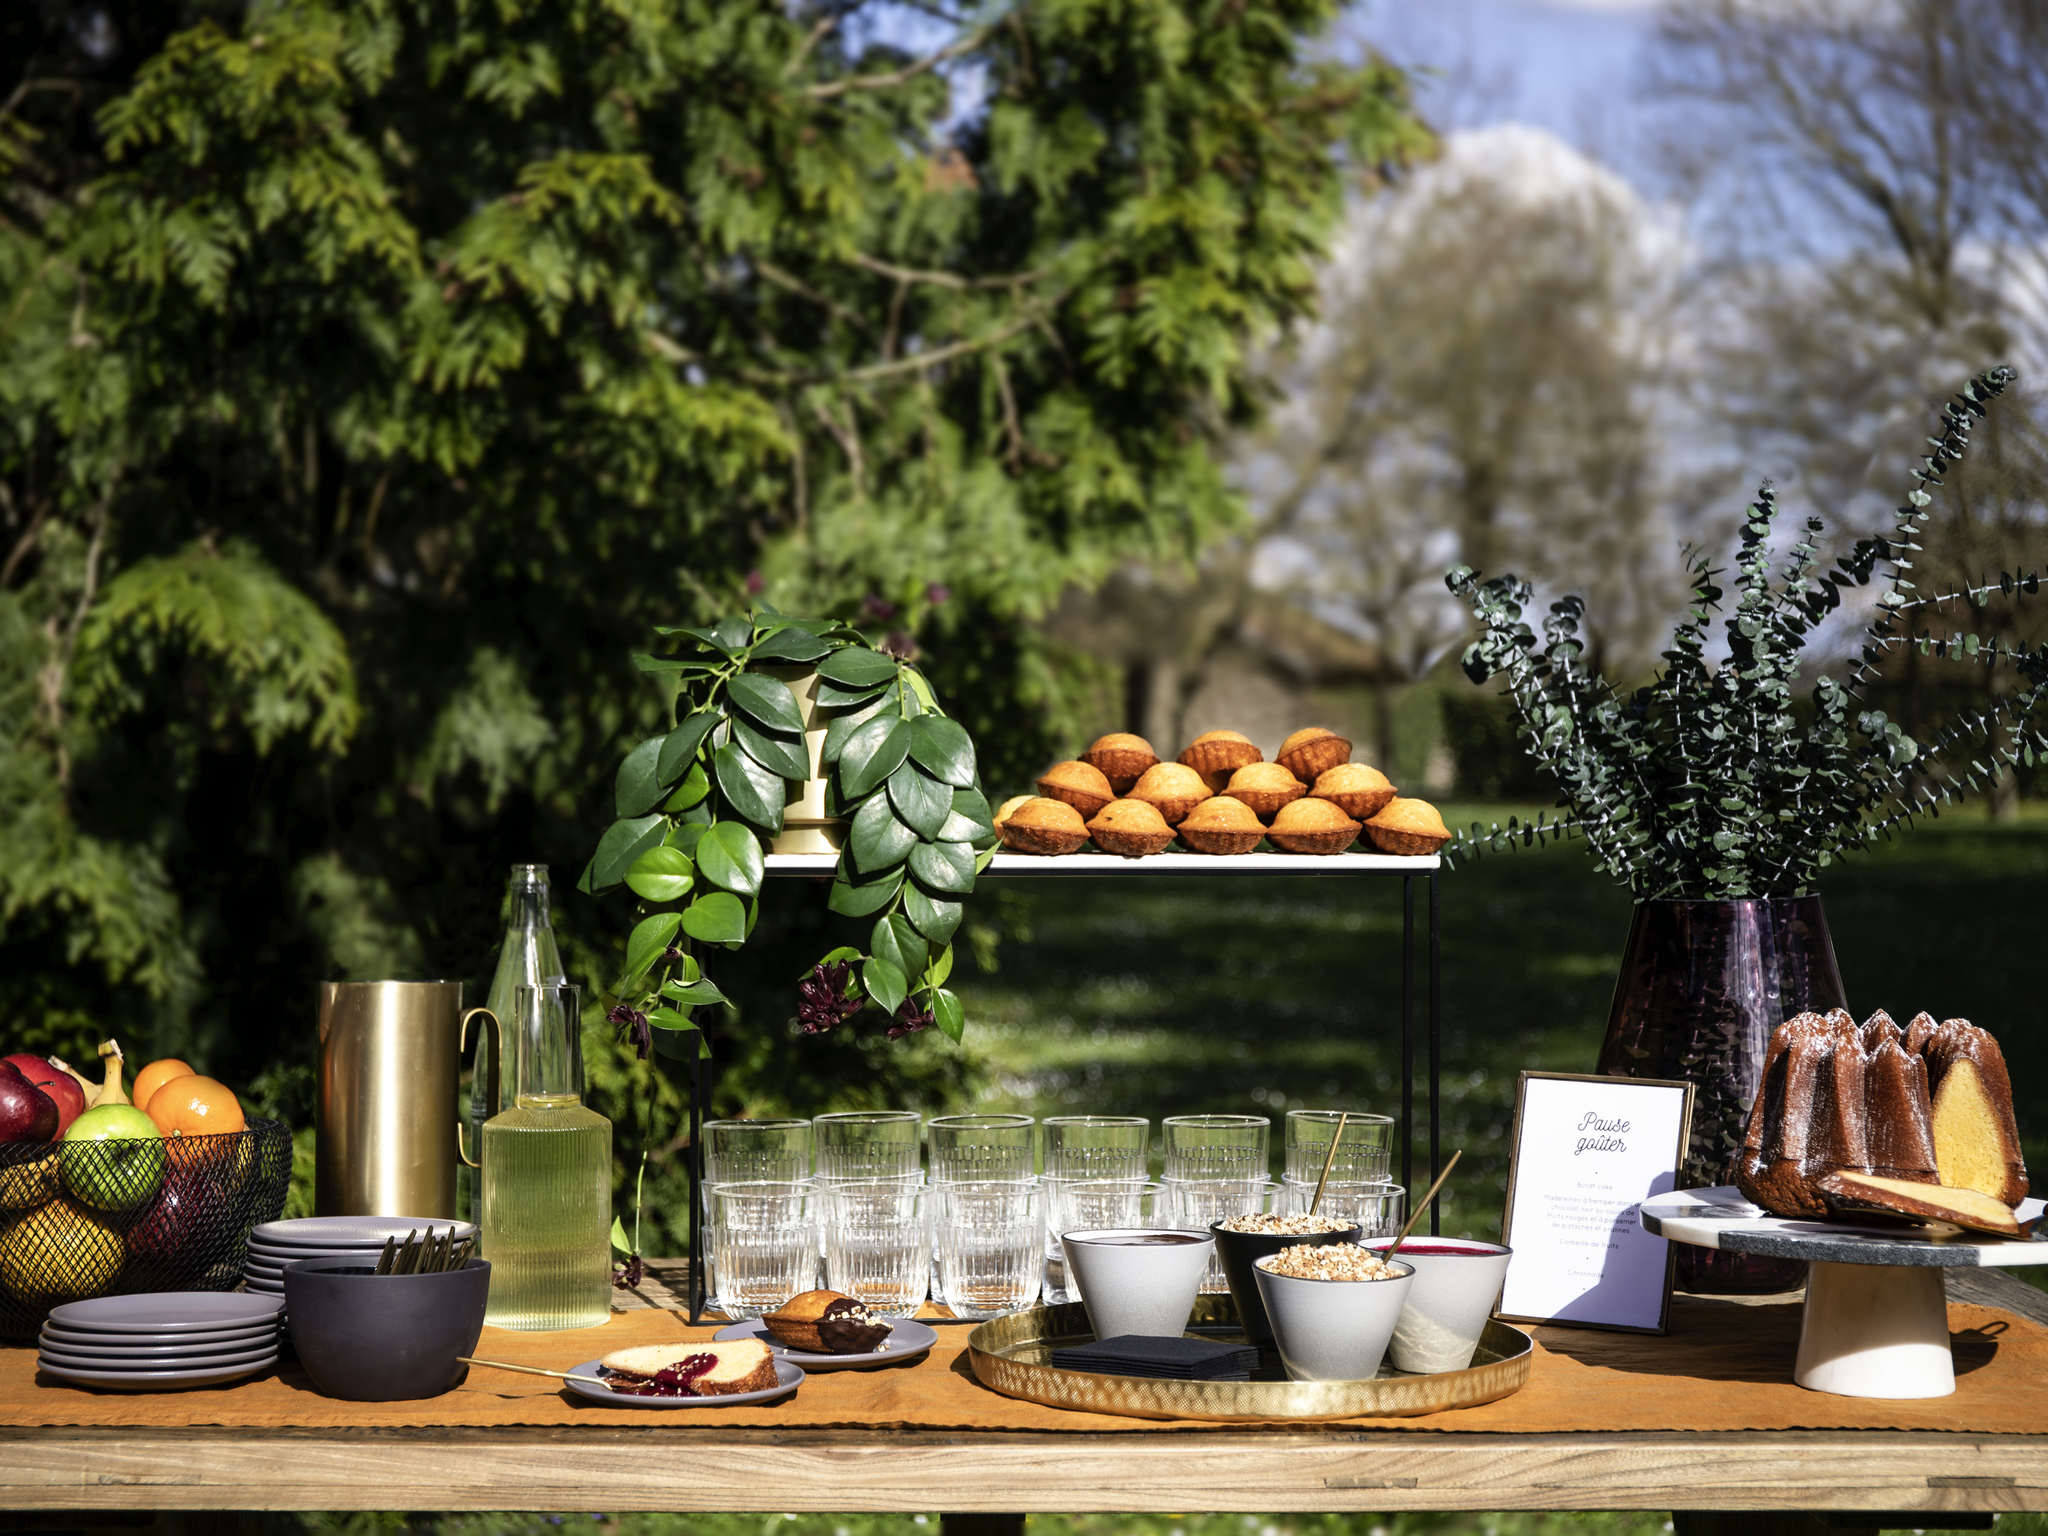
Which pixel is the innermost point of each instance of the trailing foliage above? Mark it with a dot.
(698, 804)
(1707, 782)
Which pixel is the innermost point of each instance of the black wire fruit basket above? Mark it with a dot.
(123, 1215)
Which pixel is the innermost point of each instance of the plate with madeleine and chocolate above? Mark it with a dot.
(825, 1331)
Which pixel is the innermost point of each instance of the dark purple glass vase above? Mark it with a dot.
(1702, 985)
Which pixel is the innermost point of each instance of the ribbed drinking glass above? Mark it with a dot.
(750, 1151)
(1192, 1204)
(1362, 1154)
(1091, 1205)
(1096, 1146)
(878, 1243)
(764, 1243)
(1377, 1206)
(988, 1244)
(1216, 1146)
(975, 1148)
(867, 1144)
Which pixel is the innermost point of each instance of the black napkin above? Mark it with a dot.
(1180, 1359)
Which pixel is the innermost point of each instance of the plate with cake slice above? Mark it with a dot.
(826, 1331)
(690, 1373)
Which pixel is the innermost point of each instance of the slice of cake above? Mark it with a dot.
(1976, 1141)
(1858, 1193)
(692, 1368)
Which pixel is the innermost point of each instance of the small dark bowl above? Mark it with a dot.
(372, 1338)
(1240, 1250)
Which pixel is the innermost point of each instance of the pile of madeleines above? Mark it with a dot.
(1222, 796)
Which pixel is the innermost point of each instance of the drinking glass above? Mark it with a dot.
(1096, 1146)
(1376, 1205)
(764, 1243)
(751, 1151)
(1216, 1146)
(867, 1144)
(977, 1148)
(1194, 1203)
(1361, 1156)
(878, 1243)
(987, 1241)
(1090, 1205)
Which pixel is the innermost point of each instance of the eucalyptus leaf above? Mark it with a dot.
(637, 787)
(866, 897)
(792, 644)
(755, 792)
(716, 917)
(947, 867)
(661, 873)
(783, 756)
(948, 1014)
(944, 748)
(765, 700)
(622, 843)
(877, 840)
(856, 667)
(681, 744)
(921, 802)
(730, 857)
(936, 918)
(647, 943)
(872, 753)
(885, 983)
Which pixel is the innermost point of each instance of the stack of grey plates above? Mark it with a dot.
(276, 1245)
(160, 1341)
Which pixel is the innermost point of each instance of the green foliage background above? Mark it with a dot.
(374, 374)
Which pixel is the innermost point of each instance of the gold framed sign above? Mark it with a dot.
(1586, 1152)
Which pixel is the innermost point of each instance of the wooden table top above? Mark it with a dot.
(833, 1470)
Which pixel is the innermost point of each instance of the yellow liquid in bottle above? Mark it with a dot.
(546, 1225)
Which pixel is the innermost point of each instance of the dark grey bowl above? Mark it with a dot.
(1240, 1250)
(374, 1338)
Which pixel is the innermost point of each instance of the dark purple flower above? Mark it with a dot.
(937, 592)
(874, 607)
(755, 582)
(634, 1022)
(628, 1274)
(825, 998)
(898, 643)
(910, 1019)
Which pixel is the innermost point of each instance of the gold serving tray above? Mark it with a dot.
(1013, 1355)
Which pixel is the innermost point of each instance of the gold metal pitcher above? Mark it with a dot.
(387, 1098)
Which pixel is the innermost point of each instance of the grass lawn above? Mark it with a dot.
(1152, 996)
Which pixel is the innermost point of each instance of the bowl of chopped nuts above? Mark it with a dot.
(1333, 1308)
(1241, 1241)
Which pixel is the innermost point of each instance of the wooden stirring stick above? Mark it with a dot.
(1329, 1157)
(532, 1370)
(1424, 1204)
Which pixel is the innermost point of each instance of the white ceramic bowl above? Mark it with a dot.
(1133, 1282)
(1457, 1281)
(1332, 1330)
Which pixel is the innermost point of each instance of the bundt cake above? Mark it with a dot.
(1834, 1096)
(1976, 1141)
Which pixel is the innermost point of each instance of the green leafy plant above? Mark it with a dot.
(1707, 782)
(697, 806)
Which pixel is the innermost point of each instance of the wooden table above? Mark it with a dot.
(1912, 1476)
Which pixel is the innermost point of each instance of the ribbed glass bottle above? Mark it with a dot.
(547, 1166)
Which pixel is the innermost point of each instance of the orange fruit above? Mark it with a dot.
(195, 1106)
(153, 1077)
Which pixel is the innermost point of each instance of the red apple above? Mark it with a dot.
(60, 1085)
(26, 1112)
(168, 1223)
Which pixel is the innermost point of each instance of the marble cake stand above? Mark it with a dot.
(1876, 1317)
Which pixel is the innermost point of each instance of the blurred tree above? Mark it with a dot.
(1888, 233)
(1480, 387)
(376, 373)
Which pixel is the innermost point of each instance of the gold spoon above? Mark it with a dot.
(1424, 1204)
(533, 1370)
(1329, 1157)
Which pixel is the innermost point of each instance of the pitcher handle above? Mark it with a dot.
(462, 1045)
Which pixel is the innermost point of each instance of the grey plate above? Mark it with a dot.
(156, 1381)
(1719, 1217)
(907, 1340)
(174, 1312)
(189, 1360)
(163, 1343)
(788, 1377)
(346, 1232)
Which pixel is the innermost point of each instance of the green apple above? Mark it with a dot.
(113, 1159)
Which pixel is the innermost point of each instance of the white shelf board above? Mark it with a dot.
(821, 865)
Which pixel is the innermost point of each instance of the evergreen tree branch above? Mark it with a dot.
(825, 90)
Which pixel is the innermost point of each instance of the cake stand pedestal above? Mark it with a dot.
(1875, 1322)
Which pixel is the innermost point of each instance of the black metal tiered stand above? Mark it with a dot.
(1409, 871)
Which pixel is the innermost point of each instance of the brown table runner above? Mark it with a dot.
(1722, 1367)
